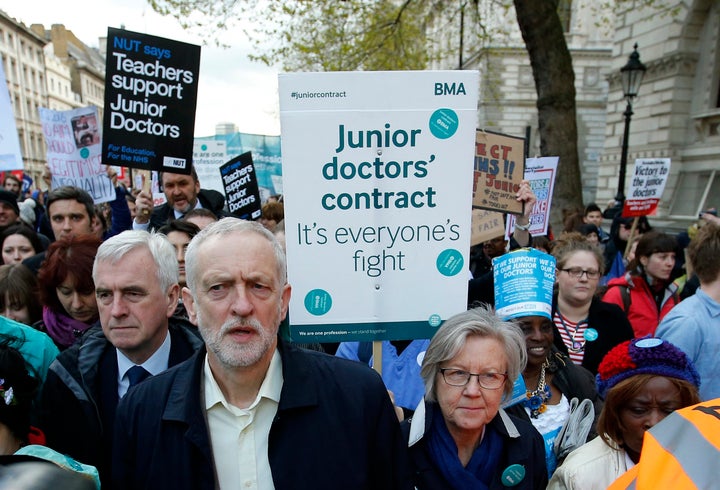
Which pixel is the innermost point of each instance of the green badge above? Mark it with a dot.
(512, 475)
(449, 262)
(318, 302)
(443, 123)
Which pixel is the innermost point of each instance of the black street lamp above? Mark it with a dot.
(631, 77)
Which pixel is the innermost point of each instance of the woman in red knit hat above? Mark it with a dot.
(642, 380)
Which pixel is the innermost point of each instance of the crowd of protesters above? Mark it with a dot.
(142, 346)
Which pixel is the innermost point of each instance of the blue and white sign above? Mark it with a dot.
(377, 171)
(524, 282)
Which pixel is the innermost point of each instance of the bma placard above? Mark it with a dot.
(150, 96)
(377, 171)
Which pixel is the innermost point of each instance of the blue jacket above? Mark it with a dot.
(335, 428)
(400, 372)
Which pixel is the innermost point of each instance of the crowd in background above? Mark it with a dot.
(95, 300)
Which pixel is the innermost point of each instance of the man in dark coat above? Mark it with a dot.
(251, 410)
(182, 194)
(135, 275)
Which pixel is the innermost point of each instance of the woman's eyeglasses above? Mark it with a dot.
(577, 273)
(458, 377)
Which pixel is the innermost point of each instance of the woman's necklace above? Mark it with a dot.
(576, 345)
(537, 399)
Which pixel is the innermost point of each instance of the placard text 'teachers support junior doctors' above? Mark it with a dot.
(150, 96)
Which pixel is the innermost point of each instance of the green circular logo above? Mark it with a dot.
(449, 262)
(84, 153)
(443, 123)
(513, 475)
(318, 302)
(434, 320)
(203, 147)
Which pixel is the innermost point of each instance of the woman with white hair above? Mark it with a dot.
(459, 437)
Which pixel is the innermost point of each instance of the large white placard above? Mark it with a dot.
(10, 156)
(377, 171)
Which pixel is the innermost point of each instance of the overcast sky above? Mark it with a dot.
(231, 88)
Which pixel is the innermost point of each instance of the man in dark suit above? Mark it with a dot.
(183, 194)
(251, 410)
(136, 286)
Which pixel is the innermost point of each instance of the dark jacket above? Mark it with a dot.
(612, 326)
(79, 397)
(209, 199)
(573, 381)
(523, 446)
(335, 428)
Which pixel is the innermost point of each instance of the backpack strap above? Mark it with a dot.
(625, 295)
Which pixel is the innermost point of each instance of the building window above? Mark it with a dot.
(695, 192)
(21, 137)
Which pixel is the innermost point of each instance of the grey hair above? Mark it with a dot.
(115, 248)
(227, 226)
(451, 337)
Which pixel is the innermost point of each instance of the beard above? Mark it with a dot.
(231, 354)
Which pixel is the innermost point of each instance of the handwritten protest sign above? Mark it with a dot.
(150, 96)
(73, 151)
(540, 173)
(10, 156)
(378, 200)
(498, 171)
(486, 225)
(647, 183)
(208, 157)
(524, 281)
(241, 187)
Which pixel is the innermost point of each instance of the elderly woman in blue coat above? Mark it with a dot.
(459, 437)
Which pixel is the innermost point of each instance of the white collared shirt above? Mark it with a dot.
(180, 214)
(239, 437)
(176, 215)
(156, 364)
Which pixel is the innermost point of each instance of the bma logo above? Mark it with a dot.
(449, 89)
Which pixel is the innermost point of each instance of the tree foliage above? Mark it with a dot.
(343, 35)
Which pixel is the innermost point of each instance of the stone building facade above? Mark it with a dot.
(676, 115)
(87, 65)
(46, 68)
(507, 89)
(677, 112)
(23, 61)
